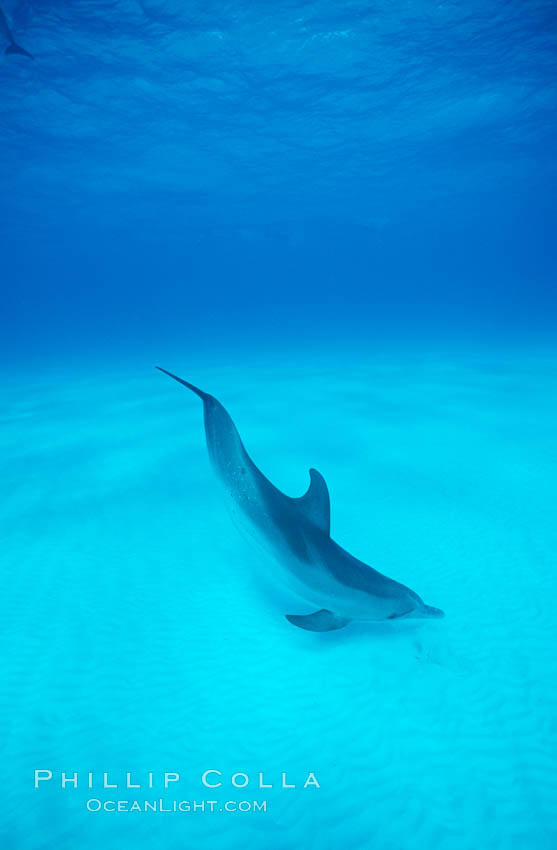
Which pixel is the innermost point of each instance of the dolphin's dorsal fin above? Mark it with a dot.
(315, 503)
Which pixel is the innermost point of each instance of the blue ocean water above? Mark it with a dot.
(339, 219)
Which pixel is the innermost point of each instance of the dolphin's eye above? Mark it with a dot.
(399, 614)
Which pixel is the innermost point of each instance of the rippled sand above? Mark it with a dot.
(136, 634)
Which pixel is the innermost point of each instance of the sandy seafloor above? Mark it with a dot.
(135, 634)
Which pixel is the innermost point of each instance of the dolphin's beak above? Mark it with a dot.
(428, 611)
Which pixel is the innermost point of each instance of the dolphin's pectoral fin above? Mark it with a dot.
(196, 390)
(315, 503)
(15, 48)
(319, 621)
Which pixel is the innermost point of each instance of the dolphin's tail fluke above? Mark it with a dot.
(196, 390)
(15, 48)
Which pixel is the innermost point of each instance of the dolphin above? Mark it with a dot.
(297, 533)
(12, 46)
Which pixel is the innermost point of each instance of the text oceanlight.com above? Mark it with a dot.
(175, 806)
(216, 780)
